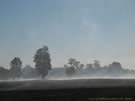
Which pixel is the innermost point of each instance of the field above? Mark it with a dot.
(68, 90)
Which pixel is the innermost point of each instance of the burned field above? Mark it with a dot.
(67, 90)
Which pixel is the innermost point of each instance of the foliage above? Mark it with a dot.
(81, 66)
(28, 72)
(74, 63)
(15, 70)
(96, 64)
(4, 73)
(43, 61)
(70, 71)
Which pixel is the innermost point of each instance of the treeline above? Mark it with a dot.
(42, 66)
(73, 68)
(26, 72)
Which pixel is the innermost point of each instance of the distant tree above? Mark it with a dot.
(28, 72)
(81, 66)
(4, 73)
(89, 67)
(74, 63)
(43, 61)
(116, 65)
(96, 64)
(115, 69)
(71, 61)
(70, 71)
(77, 64)
(15, 69)
(65, 66)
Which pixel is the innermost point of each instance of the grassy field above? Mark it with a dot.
(68, 90)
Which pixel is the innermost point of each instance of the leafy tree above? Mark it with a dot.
(65, 66)
(74, 63)
(70, 71)
(43, 61)
(28, 72)
(116, 65)
(89, 67)
(15, 69)
(4, 73)
(81, 66)
(96, 64)
(71, 61)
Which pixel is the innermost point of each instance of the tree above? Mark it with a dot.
(71, 61)
(43, 61)
(28, 72)
(96, 64)
(116, 65)
(89, 67)
(74, 63)
(65, 66)
(15, 69)
(70, 71)
(4, 73)
(81, 66)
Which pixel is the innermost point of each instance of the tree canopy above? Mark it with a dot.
(15, 69)
(43, 61)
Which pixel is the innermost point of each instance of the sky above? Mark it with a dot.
(86, 30)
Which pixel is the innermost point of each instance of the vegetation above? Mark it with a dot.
(43, 61)
(74, 64)
(15, 70)
(72, 69)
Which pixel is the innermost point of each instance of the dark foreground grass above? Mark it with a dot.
(77, 94)
(105, 90)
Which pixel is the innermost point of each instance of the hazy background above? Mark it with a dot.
(83, 29)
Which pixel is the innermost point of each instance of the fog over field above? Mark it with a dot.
(86, 30)
(66, 43)
(67, 50)
(65, 84)
(113, 75)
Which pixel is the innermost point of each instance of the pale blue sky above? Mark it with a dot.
(81, 29)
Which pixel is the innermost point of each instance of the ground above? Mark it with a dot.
(68, 90)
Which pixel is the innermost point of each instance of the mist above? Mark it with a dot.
(88, 71)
